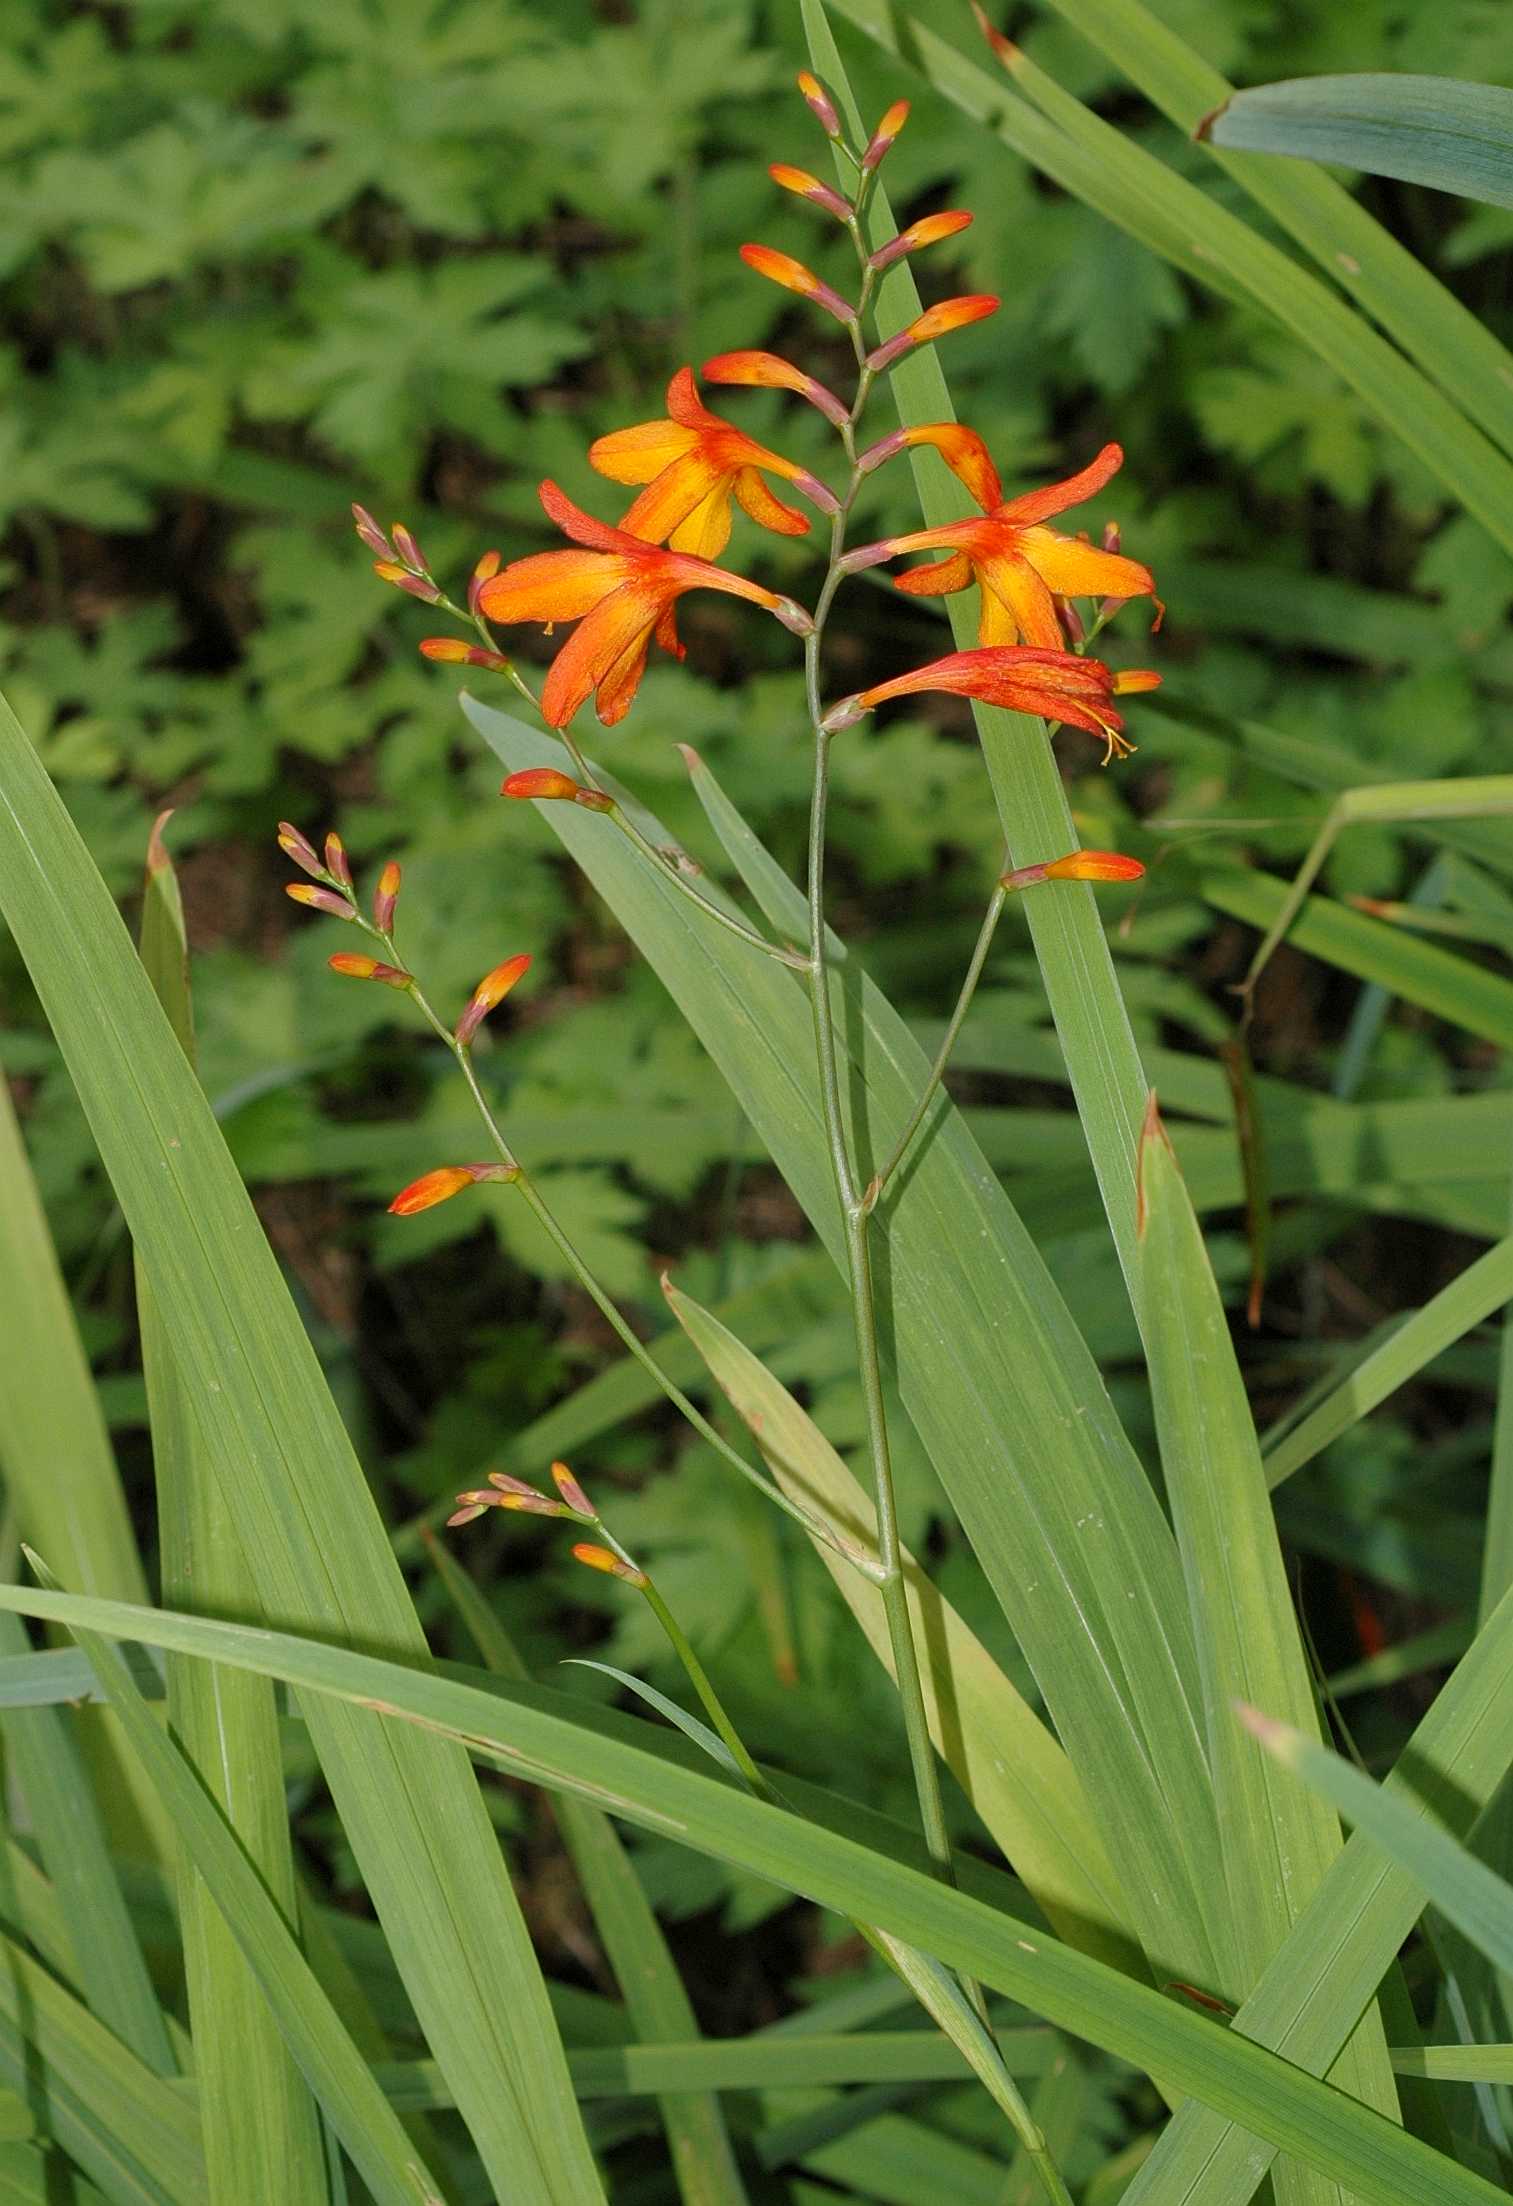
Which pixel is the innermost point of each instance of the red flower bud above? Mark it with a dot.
(1135, 679)
(936, 321)
(1078, 865)
(929, 230)
(370, 532)
(389, 570)
(794, 276)
(572, 1493)
(805, 186)
(544, 784)
(439, 1187)
(485, 571)
(408, 550)
(452, 651)
(336, 861)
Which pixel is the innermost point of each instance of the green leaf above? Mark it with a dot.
(707, 1741)
(1428, 130)
(853, 1861)
(301, 1506)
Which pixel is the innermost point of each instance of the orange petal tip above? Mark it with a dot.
(571, 1492)
(600, 1558)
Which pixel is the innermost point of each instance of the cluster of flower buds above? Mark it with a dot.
(400, 559)
(504, 1492)
(332, 890)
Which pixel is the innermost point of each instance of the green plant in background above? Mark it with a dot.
(244, 259)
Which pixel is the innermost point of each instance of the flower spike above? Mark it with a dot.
(490, 992)
(767, 371)
(805, 186)
(693, 464)
(887, 130)
(794, 276)
(1078, 865)
(936, 321)
(445, 1182)
(929, 230)
(621, 591)
(820, 104)
(1053, 684)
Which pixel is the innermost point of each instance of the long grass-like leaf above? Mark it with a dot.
(302, 1509)
(1442, 131)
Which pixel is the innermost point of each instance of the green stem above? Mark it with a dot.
(698, 1678)
(936, 1073)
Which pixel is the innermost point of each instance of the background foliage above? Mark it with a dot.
(257, 259)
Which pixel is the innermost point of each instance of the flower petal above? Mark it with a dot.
(938, 579)
(595, 646)
(1034, 505)
(1073, 569)
(580, 526)
(1018, 589)
(965, 454)
(767, 511)
(705, 531)
(665, 504)
(549, 586)
(639, 454)
(685, 406)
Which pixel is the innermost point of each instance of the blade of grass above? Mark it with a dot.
(991, 1367)
(262, 2137)
(1276, 1849)
(302, 1508)
(658, 2006)
(1006, 1762)
(854, 1861)
(1482, 1287)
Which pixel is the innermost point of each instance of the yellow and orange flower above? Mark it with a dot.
(621, 591)
(693, 464)
(1056, 685)
(1019, 566)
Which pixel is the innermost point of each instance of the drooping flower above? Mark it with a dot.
(1056, 685)
(693, 464)
(769, 371)
(621, 591)
(1019, 566)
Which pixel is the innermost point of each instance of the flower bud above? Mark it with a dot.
(768, 371)
(439, 1187)
(572, 1493)
(844, 715)
(1135, 679)
(370, 532)
(1071, 620)
(820, 104)
(600, 1558)
(385, 897)
(805, 186)
(336, 861)
(1111, 536)
(794, 276)
(491, 991)
(408, 550)
(936, 321)
(485, 571)
(302, 852)
(544, 784)
(1078, 865)
(388, 570)
(885, 133)
(452, 651)
(357, 967)
(320, 900)
(929, 230)
(508, 1485)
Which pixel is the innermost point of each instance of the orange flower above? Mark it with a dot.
(1020, 568)
(693, 464)
(768, 371)
(544, 783)
(1055, 684)
(621, 590)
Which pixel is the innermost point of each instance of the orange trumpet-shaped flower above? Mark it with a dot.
(1055, 684)
(1019, 566)
(693, 464)
(768, 371)
(620, 590)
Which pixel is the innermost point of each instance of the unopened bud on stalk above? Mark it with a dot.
(336, 861)
(793, 617)
(820, 104)
(1111, 536)
(439, 1187)
(414, 585)
(491, 991)
(357, 967)
(1078, 865)
(485, 571)
(600, 1558)
(385, 897)
(452, 651)
(572, 1493)
(929, 230)
(320, 900)
(805, 186)
(527, 1501)
(936, 321)
(1071, 620)
(794, 276)
(299, 849)
(370, 532)
(408, 550)
(885, 133)
(1134, 679)
(544, 784)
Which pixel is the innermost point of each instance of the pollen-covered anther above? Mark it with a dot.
(572, 1493)
(299, 849)
(929, 230)
(783, 269)
(389, 570)
(936, 321)
(320, 900)
(887, 130)
(820, 104)
(355, 966)
(491, 991)
(805, 186)
(545, 785)
(440, 1186)
(614, 1566)
(452, 651)
(385, 897)
(1077, 865)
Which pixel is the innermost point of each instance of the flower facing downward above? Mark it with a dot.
(1020, 567)
(693, 464)
(621, 591)
(1056, 685)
